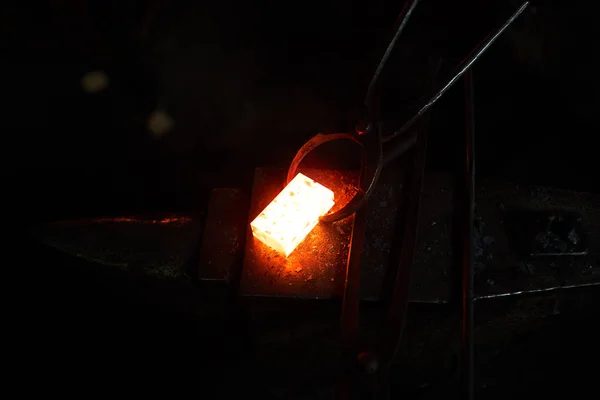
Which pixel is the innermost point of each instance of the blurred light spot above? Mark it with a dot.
(159, 123)
(94, 82)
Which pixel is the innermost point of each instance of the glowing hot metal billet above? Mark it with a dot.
(286, 221)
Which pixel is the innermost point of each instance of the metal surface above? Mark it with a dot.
(224, 236)
(547, 233)
(431, 276)
(159, 246)
(316, 268)
(301, 275)
(501, 267)
(457, 74)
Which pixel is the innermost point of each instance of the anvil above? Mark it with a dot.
(528, 239)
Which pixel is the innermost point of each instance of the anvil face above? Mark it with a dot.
(316, 268)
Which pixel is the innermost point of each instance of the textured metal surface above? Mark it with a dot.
(317, 268)
(547, 233)
(431, 278)
(158, 246)
(501, 266)
(224, 235)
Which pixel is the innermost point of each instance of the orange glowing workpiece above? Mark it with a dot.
(286, 221)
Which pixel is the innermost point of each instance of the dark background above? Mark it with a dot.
(246, 84)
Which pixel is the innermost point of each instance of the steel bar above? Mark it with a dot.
(350, 314)
(467, 311)
(397, 314)
(350, 306)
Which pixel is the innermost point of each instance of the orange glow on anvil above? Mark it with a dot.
(286, 221)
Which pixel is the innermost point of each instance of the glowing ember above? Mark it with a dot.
(286, 221)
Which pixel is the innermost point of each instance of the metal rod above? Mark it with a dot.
(350, 315)
(409, 222)
(536, 291)
(459, 71)
(350, 307)
(401, 21)
(467, 314)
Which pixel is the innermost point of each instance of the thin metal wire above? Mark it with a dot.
(536, 291)
(459, 72)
